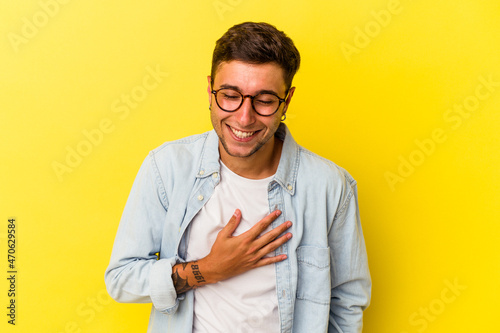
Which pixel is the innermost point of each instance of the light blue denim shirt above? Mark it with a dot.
(323, 286)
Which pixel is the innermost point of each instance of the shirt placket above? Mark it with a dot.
(275, 198)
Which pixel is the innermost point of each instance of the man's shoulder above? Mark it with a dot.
(185, 143)
(322, 168)
(185, 154)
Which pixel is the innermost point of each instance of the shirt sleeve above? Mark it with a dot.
(351, 281)
(134, 274)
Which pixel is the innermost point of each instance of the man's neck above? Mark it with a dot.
(261, 164)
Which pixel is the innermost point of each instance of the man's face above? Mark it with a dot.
(244, 132)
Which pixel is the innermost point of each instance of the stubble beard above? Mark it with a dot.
(217, 124)
(259, 145)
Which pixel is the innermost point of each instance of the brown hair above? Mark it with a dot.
(257, 43)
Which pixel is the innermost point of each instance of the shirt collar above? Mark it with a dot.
(209, 156)
(286, 175)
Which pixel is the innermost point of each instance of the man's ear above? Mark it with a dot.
(289, 98)
(209, 89)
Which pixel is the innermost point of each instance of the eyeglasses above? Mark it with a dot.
(264, 104)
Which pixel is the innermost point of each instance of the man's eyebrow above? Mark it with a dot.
(268, 92)
(263, 91)
(228, 86)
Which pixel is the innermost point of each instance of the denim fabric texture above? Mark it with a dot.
(323, 286)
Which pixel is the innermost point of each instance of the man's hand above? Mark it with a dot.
(233, 255)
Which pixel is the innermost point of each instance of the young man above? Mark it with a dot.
(254, 233)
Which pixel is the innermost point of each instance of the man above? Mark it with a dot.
(240, 229)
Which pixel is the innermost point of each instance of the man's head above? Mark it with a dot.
(257, 43)
(250, 90)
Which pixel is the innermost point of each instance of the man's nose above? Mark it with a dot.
(246, 112)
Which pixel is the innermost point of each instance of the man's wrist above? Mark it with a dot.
(191, 275)
(205, 269)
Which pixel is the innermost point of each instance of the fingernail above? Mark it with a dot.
(289, 235)
(278, 213)
(289, 224)
(236, 213)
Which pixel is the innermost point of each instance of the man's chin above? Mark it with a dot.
(241, 153)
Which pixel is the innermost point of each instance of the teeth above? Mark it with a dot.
(241, 134)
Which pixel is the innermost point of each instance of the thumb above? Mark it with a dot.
(233, 223)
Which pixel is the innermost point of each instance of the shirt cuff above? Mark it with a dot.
(163, 294)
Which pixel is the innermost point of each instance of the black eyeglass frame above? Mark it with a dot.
(281, 100)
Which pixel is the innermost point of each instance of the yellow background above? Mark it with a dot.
(438, 224)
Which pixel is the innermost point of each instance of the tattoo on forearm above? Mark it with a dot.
(197, 273)
(182, 284)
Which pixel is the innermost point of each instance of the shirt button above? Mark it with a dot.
(215, 175)
(289, 187)
(202, 172)
(200, 197)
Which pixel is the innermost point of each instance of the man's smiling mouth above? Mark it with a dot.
(240, 134)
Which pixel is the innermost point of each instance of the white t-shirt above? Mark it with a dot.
(247, 302)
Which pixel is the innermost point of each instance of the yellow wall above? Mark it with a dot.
(403, 94)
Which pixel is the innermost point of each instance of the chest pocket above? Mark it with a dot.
(314, 274)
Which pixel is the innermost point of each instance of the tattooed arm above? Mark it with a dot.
(187, 276)
(233, 255)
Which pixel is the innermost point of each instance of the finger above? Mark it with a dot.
(274, 233)
(262, 225)
(270, 247)
(233, 223)
(270, 260)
